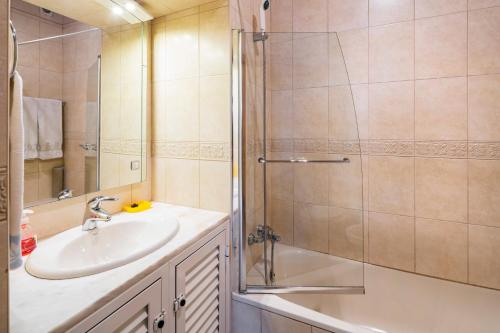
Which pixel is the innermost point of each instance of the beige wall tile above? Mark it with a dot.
(182, 110)
(384, 12)
(281, 61)
(310, 227)
(30, 76)
(337, 63)
(182, 53)
(346, 233)
(391, 110)
(475, 4)
(159, 180)
(392, 241)
(215, 185)
(342, 113)
(281, 114)
(441, 249)
(214, 108)
(311, 183)
(484, 192)
(281, 178)
(51, 85)
(428, 8)
(282, 16)
(484, 42)
(441, 46)
(159, 52)
(310, 15)
(441, 189)
(281, 219)
(345, 183)
(484, 261)
(273, 323)
(484, 102)
(159, 110)
(392, 52)
(310, 113)
(354, 45)
(347, 15)
(391, 185)
(441, 109)
(310, 61)
(183, 182)
(214, 42)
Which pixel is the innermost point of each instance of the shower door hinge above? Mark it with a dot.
(260, 36)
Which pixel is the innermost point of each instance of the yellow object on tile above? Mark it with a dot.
(137, 207)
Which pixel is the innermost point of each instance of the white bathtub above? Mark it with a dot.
(395, 301)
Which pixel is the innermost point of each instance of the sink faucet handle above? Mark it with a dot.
(96, 202)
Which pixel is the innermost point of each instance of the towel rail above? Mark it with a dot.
(262, 160)
(16, 49)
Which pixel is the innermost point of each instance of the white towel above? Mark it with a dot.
(30, 116)
(50, 133)
(16, 171)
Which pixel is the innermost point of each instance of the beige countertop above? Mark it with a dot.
(39, 305)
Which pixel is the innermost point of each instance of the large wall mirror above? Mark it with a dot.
(84, 85)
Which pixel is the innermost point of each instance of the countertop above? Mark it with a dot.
(39, 305)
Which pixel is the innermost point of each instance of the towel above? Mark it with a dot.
(16, 171)
(30, 117)
(50, 133)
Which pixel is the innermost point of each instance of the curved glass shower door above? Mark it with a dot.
(301, 166)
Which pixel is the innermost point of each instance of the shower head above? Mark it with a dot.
(264, 6)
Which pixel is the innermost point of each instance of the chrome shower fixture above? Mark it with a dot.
(264, 6)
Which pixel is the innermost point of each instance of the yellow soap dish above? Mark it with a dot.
(137, 207)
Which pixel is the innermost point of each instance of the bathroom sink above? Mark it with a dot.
(76, 253)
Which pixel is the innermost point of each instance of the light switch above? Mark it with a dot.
(135, 165)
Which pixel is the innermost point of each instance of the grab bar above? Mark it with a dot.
(14, 38)
(262, 160)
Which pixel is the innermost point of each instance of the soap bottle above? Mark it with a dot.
(28, 238)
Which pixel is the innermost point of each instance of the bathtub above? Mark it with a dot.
(394, 301)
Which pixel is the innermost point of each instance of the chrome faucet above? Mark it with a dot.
(266, 233)
(96, 213)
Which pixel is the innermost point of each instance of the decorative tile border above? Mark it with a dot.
(444, 149)
(126, 147)
(3, 193)
(404, 148)
(484, 150)
(216, 151)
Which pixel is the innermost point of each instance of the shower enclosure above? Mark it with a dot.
(298, 168)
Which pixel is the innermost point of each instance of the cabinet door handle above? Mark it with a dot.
(179, 302)
(159, 322)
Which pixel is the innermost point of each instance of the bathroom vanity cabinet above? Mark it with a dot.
(188, 294)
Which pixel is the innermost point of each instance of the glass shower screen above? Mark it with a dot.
(301, 168)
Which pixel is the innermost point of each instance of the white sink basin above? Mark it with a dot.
(127, 237)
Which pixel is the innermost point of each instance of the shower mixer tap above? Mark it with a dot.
(263, 233)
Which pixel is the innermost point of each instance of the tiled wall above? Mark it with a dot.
(425, 78)
(121, 123)
(191, 107)
(4, 238)
(40, 65)
(78, 62)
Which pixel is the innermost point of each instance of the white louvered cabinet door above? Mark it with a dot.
(200, 304)
(137, 315)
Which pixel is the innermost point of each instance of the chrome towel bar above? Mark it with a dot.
(262, 160)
